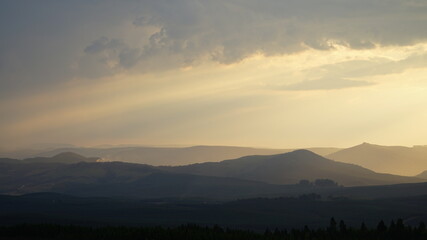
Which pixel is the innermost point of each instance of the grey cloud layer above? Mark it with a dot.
(229, 31)
(44, 42)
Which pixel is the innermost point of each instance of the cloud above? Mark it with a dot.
(238, 29)
(189, 31)
(371, 67)
(115, 52)
(325, 84)
(54, 41)
(103, 44)
(346, 74)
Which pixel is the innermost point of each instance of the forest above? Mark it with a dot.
(395, 230)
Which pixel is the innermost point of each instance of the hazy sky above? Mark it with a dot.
(275, 73)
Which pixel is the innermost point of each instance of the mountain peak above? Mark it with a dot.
(366, 145)
(64, 157)
(422, 175)
(303, 153)
(70, 155)
(290, 168)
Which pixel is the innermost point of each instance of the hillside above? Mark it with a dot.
(385, 159)
(251, 176)
(64, 157)
(422, 175)
(290, 168)
(9, 160)
(162, 156)
(117, 179)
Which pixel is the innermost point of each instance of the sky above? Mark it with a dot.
(275, 73)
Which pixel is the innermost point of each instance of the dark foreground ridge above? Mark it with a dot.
(253, 214)
(396, 230)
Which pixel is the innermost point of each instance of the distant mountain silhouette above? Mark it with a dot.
(290, 168)
(161, 156)
(251, 176)
(9, 160)
(386, 159)
(112, 179)
(422, 175)
(64, 157)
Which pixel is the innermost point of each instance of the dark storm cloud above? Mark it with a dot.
(49, 41)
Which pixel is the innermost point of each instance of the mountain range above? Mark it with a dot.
(166, 156)
(290, 168)
(251, 176)
(117, 179)
(398, 160)
(407, 161)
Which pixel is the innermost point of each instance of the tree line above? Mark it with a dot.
(395, 230)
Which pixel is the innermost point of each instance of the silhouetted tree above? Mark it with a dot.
(392, 226)
(363, 227)
(343, 227)
(332, 225)
(381, 227)
(267, 232)
(399, 225)
(59, 232)
(325, 183)
(422, 227)
(305, 182)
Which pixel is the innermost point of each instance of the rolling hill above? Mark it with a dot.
(422, 175)
(290, 168)
(118, 179)
(251, 176)
(385, 159)
(64, 157)
(162, 156)
(9, 160)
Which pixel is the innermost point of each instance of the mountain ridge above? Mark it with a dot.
(422, 175)
(398, 160)
(290, 168)
(119, 179)
(174, 156)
